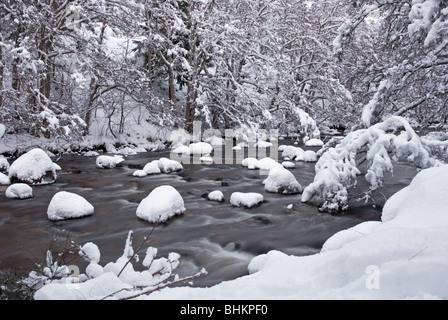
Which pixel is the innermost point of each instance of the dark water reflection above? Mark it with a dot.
(221, 238)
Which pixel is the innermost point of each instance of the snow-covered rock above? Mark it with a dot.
(161, 204)
(216, 196)
(109, 162)
(404, 256)
(314, 142)
(247, 199)
(263, 144)
(4, 179)
(139, 173)
(180, 148)
(152, 167)
(2, 129)
(292, 153)
(250, 163)
(4, 165)
(19, 191)
(201, 148)
(309, 156)
(68, 205)
(281, 180)
(288, 164)
(267, 164)
(167, 165)
(34, 167)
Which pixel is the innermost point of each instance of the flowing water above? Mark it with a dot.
(211, 235)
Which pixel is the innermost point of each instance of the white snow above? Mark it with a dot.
(68, 205)
(2, 129)
(19, 191)
(403, 257)
(288, 165)
(33, 167)
(108, 162)
(216, 196)
(281, 180)
(250, 163)
(4, 179)
(152, 167)
(161, 204)
(167, 165)
(247, 199)
(201, 148)
(314, 142)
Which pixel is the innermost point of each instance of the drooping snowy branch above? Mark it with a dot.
(384, 143)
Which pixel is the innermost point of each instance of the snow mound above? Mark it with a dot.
(314, 142)
(216, 196)
(108, 162)
(247, 199)
(152, 167)
(288, 165)
(292, 153)
(201, 148)
(67, 205)
(309, 156)
(161, 204)
(167, 165)
(250, 163)
(4, 165)
(4, 179)
(139, 173)
(281, 180)
(34, 167)
(267, 164)
(19, 191)
(263, 144)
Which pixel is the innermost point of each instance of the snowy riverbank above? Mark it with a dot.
(404, 256)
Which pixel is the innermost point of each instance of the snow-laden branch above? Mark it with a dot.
(386, 142)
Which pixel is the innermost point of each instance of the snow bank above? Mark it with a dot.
(67, 205)
(161, 204)
(403, 257)
(19, 191)
(108, 162)
(281, 180)
(247, 199)
(33, 167)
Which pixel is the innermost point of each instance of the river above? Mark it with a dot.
(211, 235)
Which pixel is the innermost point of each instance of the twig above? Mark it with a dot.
(200, 273)
(138, 249)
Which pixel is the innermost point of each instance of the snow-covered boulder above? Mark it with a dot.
(108, 162)
(68, 205)
(180, 148)
(292, 153)
(4, 165)
(267, 164)
(19, 191)
(2, 129)
(161, 204)
(288, 165)
(216, 196)
(152, 167)
(139, 173)
(34, 167)
(314, 142)
(167, 165)
(281, 180)
(4, 179)
(309, 156)
(201, 148)
(247, 199)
